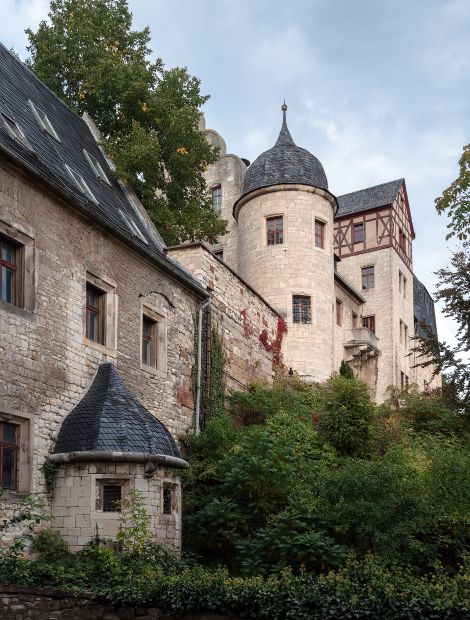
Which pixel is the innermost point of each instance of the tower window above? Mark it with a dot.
(167, 498)
(319, 234)
(8, 455)
(8, 271)
(95, 314)
(112, 494)
(369, 322)
(358, 233)
(368, 277)
(149, 341)
(217, 198)
(275, 230)
(339, 312)
(301, 309)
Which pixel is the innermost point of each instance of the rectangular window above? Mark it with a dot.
(95, 314)
(402, 379)
(358, 233)
(112, 493)
(149, 341)
(339, 312)
(301, 309)
(354, 319)
(319, 234)
(367, 277)
(274, 230)
(8, 271)
(8, 455)
(217, 198)
(167, 497)
(405, 336)
(402, 239)
(369, 322)
(404, 286)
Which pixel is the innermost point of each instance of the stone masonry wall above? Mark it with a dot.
(240, 314)
(77, 514)
(46, 365)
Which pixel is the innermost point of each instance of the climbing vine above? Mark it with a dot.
(49, 470)
(276, 345)
(246, 323)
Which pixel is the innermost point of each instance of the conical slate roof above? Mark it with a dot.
(110, 419)
(285, 163)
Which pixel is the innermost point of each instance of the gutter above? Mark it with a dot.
(87, 456)
(159, 259)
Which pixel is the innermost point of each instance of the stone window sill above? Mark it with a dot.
(17, 311)
(100, 347)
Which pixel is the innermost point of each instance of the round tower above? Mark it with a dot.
(285, 248)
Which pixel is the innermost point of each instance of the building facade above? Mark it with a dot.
(338, 269)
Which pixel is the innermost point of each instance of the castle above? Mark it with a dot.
(105, 332)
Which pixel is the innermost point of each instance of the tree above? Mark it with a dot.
(148, 116)
(455, 200)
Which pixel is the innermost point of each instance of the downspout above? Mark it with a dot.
(197, 425)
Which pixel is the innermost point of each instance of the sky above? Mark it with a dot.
(376, 89)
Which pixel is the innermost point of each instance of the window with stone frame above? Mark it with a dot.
(301, 309)
(149, 341)
(216, 192)
(275, 230)
(339, 312)
(10, 272)
(9, 442)
(168, 498)
(109, 493)
(95, 314)
(369, 322)
(319, 234)
(368, 277)
(358, 232)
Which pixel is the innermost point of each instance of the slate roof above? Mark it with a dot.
(110, 419)
(423, 308)
(47, 158)
(285, 163)
(369, 198)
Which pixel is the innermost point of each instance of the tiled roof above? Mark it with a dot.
(110, 419)
(57, 161)
(369, 198)
(285, 163)
(423, 307)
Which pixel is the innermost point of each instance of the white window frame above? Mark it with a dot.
(96, 167)
(81, 184)
(132, 226)
(43, 121)
(15, 132)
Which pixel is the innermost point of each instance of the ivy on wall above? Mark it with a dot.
(276, 345)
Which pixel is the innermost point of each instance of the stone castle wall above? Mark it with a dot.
(240, 314)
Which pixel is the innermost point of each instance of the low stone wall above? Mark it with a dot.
(17, 603)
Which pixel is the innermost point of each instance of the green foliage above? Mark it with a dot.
(428, 413)
(346, 416)
(345, 370)
(49, 470)
(455, 200)
(91, 58)
(50, 544)
(134, 524)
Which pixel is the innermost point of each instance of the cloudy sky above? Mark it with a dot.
(376, 89)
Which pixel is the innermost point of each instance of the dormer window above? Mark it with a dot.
(15, 131)
(44, 121)
(81, 184)
(133, 226)
(96, 167)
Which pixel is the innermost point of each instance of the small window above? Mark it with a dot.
(81, 184)
(149, 341)
(9, 280)
(358, 233)
(354, 319)
(274, 230)
(112, 494)
(402, 379)
(367, 277)
(339, 312)
(301, 309)
(96, 167)
(133, 226)
(369, 322)
(95, 314)
(167, 498)
(44, 121)
(219, 254)
(216, 192)
(15, 131)
(319, 234)
(402, 240)
(405, 336)
(8, 455)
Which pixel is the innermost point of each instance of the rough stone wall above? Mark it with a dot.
(342, 332)
(76, 512)
(46, 365)
(228, 172)
(240, 313)
(295, 267)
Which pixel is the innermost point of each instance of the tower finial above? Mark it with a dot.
(284, 107)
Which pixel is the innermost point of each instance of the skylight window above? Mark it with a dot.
(44, 121)
(132, 226)
(96, 167)
(15, 131)
(81, 184)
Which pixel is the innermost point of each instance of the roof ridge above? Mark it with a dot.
(364, 189)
